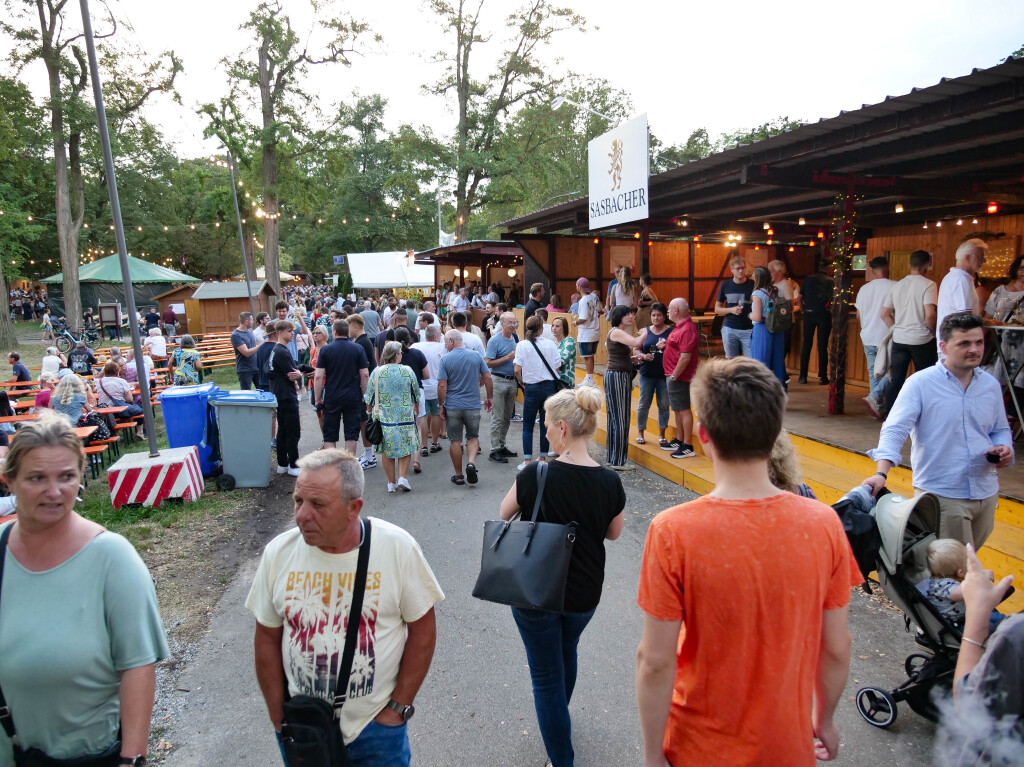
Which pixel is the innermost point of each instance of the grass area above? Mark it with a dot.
(141, 525)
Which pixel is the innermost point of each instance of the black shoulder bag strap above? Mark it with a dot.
(355, 615)
(554, 376)
(542, 478)
(5, 713)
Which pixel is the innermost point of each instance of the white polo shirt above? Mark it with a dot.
(956, 294)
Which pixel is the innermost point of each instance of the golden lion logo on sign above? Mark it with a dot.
(616, 170)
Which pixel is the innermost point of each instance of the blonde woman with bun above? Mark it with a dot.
(578, 490)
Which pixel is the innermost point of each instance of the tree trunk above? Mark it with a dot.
(67, 233)
(461, 219)
(271, 232)
(8, 338)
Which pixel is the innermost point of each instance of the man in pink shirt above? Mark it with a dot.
(680, 360)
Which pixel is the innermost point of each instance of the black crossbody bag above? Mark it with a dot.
(33, 757)
(311, 735)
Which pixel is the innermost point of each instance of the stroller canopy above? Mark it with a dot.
(893, 513)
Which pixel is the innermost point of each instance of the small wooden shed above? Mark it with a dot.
(215, 306)
(176, 297)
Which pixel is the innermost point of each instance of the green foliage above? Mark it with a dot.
(1017, 54)
(485, 102)
(750, 135)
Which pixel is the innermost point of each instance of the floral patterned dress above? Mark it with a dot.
(398, 397)
(567, 353)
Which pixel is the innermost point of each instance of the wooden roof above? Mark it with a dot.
(942, 152)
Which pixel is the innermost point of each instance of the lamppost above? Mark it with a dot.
(557, 102)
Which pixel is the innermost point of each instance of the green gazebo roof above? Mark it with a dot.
(109, 270)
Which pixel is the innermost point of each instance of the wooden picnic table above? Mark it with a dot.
(24, 404)
(23, 418)
(26, 384)
(110, 410)
(84, 432)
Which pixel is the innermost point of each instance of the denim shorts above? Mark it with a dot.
(587, 348)
(432, 407)
(459, 419)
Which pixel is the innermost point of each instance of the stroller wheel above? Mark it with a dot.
(914, 663)
(876, 706)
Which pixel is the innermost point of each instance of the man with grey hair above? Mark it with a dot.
(302, 598)
(680, 362)
(459, 377)
(956, 291)
(371, 320)
(501, 351)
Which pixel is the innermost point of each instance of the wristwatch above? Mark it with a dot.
(404, 711)
(134, 761)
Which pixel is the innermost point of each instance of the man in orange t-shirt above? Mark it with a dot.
(761, 579)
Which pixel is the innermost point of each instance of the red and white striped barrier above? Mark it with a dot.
(137, 478)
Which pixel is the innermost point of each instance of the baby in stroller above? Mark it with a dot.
(947, 567)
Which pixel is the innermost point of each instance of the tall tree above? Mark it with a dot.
(541, 155)
(45, 31)
(485, 102)
(275, 71)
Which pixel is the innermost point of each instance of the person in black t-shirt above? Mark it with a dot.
(81, 360)
(338, 385)
(535, 302)
(283, 377)
(152, 319)
(816, 303)
(579, 490)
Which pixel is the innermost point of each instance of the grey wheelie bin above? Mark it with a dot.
(244, 418)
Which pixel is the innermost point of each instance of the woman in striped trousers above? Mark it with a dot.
(618, 383)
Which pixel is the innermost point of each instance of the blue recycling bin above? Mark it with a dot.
(186, 417)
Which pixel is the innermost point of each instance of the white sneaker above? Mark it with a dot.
(522, 466)
(404, 484)
(516, 418)
(282, 469)
(294, 471)
(367, 463)
(588, 380)
(392, 488)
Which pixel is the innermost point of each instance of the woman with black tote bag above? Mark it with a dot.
(583, 492)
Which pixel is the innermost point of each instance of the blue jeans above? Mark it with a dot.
(736, 342)
(649, 388)
(551, 640)
(378, 745)
(877, 384)
(534, 396)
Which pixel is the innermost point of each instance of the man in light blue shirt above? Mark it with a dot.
(501, 350)
(954, 415)
(459, 377)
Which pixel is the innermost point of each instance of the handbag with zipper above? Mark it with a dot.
(525, 564)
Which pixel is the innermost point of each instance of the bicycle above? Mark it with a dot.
(65, 340)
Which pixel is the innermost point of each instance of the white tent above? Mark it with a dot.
(261, 274)
(387, 270)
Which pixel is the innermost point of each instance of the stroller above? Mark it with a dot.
(906, 526)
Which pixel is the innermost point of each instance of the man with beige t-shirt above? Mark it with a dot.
(910, 311)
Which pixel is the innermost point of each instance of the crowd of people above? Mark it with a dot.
(389, 378)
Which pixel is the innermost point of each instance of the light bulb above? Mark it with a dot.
(899, 207)
(802, 221)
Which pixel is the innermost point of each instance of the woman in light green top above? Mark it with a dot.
(79, 623)
(566, 350)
